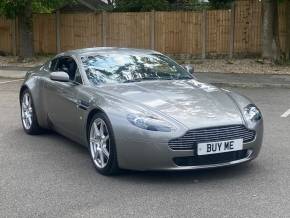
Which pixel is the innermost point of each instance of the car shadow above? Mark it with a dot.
(191, 176)
(55, 140)
(228, 174)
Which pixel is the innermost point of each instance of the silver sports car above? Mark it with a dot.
(138, 109)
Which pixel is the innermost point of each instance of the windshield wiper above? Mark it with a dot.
(184, 77)
(140, 79)
(132, 80)
(157, 78)
(176, 78)
(150, 78)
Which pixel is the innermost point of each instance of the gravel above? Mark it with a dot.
(14, 61)
(250, 66)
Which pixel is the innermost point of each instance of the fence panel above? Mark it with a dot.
(174, 32)
(6, 35)
(218, 31)
(128, 30)
(80, 31)
(247, 27)
(44, 33)
(178, 32)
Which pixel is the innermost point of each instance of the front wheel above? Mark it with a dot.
(28, 115)
(102, 145)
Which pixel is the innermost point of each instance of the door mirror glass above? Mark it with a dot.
(189, 69)
(59, 76)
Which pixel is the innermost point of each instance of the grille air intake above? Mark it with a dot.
(192, 137)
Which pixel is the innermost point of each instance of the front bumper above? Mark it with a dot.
(144, 150)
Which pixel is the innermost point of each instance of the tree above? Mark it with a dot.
(271, 48)
(268, 14)
(140, 5)
(219, 4)
(23, 10)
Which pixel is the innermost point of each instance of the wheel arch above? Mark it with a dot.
(35, 128)
(33, 87)
(90, 116)
(114, 165)
(22, 89)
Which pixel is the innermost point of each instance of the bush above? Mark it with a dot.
(220, 4)
(141, 5)
(168, 5)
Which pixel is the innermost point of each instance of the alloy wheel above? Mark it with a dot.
(26, 111)
(100, 143)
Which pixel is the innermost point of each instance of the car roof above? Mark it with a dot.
(108, 50)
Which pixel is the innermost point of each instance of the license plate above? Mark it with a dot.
(219, 147)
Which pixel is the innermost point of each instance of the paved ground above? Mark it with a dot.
(50, 176)
(246, 80)
(13, 72)
(229, 79)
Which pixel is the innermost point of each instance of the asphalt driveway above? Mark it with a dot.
(50, 176)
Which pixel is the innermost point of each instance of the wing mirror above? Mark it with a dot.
(59, 76)
(189, 69)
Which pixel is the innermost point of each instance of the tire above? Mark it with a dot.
(102, 145)
(28, 115)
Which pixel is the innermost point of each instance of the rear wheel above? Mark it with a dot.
(102, 145)
(28, 115)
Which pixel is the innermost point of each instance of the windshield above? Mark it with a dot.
(124, 68)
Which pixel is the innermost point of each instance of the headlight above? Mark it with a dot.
(252, 114)
(149, 122)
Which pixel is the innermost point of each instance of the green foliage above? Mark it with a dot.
(165, 5)
(13, 8)
(220, 4)
(141, 5)
(188, 5)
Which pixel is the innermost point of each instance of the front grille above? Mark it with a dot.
(210, 159)
(192, 137)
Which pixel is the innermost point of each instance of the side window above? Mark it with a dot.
(68, 65)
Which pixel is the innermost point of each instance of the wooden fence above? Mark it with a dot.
(205, 33)
(6, 28)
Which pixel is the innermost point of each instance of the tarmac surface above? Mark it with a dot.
(51, 176)
(216, 78)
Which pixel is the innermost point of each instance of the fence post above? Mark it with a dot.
(232, 31)
(58, 36)
(152, 30)
(14, 36)
(104, 28)
(204, 33)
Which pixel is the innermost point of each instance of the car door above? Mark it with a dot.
(62, 99)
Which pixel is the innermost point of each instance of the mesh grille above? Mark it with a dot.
(211, 159)
(192, 137)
